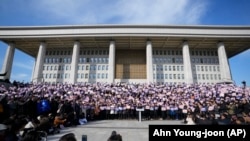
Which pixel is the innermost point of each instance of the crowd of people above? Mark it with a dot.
(50, 107)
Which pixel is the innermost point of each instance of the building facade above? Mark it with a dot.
(127, 53)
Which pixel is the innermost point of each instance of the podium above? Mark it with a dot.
(140, 110)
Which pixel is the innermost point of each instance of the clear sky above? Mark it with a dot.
(82, 12)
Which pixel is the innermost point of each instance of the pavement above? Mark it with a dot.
(131, 130)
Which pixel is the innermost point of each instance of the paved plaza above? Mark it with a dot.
(131, 130)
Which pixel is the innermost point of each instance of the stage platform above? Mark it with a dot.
(131, 130)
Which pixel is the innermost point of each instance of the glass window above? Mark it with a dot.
(214, 68)
(170, 76)
(199, 76)
(178, 68)
(107, 67)
(198, 68)
(182, 68)
(158, 76)
(173, 60)
(179, 76)
(166, 76)
(166, 68)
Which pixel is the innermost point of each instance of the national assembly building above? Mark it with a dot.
(127, 53)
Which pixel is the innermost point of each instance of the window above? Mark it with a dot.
(86, 76)
(54, 76)
(173, 60)
(166, 76)
(166, 68)
(198, 68)
(203, 76)
(211, 76)
(179, 76)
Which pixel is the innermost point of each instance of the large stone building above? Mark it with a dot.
(127, 53)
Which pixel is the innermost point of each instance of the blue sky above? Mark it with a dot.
(82, 12)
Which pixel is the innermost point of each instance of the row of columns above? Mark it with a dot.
(38, 77)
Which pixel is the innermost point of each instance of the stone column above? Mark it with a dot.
(149, 59)
(33, 70)
(223, 61)
(74, 62)
(111, 71)
(187, 64)
(8, 61)
(38, 76)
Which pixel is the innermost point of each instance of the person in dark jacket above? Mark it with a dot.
(115, 136)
